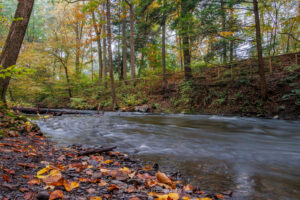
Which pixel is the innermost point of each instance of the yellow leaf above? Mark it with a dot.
(125, 170)
(69, 186)
(43, 171)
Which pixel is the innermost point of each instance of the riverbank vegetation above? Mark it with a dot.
(219, 57)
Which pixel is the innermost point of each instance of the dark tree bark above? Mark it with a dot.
(124, 49)
(98, 33)
(186, 39)
(111, 72)
(164, 48)
(263, 84)
(14, 41)
(132, 50)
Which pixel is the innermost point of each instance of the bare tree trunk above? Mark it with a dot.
(263, 84)
(124, 49)
(68, 79)
(186, 41)
(132, 50)
(77, 50)
(111, 72)
(164, 49)
(14, 41)
(223, 15)
(98, 33)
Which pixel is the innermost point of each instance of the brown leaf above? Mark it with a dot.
(23, 189)
(34, 181)
(61, 158)
(162, 178)
(9, 171)
(54, 178)
(91, 190)
(28, 196)
(135, 198)
(29, 165)
(113, 187)
(57, 194)
(102, 183)
(5, 150)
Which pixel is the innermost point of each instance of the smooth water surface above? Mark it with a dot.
(255, 158)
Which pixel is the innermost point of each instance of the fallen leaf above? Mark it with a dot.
(23, 189)
(69, 186)
(9, 171)
(91, 190)
(81, 179)
(95, 198)
(113, 187)
(34, 181)
(220, 196)
(134, 198)
(61, 158)
(102, 183)
(54, 178)
(5, 150)
(162, 178)
(57, 194)
(29, 165)
(125, 170)
(43, 171)
(108, 161)
(28, 196)
(188, 188)
(6, 178)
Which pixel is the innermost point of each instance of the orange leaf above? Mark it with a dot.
(34, 181)
(112, 187)
(69, 186)
(95, 198)
(108, 161)
(188, 188)
(162, 178)
(57, 194)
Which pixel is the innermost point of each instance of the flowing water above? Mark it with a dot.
(254, 158)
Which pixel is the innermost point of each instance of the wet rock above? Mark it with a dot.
(143, 108)
(276, 117)
(44, 195)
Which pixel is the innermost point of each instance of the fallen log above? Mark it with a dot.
(55, 112)
(100, 150)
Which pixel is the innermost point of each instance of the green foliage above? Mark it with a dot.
(294, 67)
(14, 71)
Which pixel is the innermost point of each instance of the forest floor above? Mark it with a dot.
(33, 168)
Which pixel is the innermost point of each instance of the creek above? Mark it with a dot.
(254, 158)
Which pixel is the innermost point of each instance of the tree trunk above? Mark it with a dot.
(263, 84)
(124, 49)
(77, 51)
(164, 49)
(14, 41)
(132, 50)
(186, 40)
(223, 14)
(111, 72)
(68, 81)
(98, 33)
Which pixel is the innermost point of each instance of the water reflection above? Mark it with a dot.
(257, 159)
